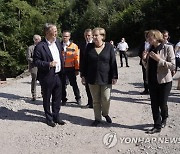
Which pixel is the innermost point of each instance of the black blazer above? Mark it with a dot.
(99, 68)
(82, 47)
(141, 49)
(42, 58)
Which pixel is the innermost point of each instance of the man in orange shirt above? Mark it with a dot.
(71, 67)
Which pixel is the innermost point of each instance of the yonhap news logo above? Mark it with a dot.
(111, 139)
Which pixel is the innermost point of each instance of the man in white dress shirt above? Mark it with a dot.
(122, 48)
(48, 58)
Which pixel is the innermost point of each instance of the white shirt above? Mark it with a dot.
(55, 54)
(65, 45)
(178, 50)
(123, 46)
(89, 42)
(146, 46)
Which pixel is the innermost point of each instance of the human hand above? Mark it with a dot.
(154, 56)
(53, 64)
(173, 73)
(144, 54)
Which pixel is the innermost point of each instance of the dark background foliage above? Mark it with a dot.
(21, 19)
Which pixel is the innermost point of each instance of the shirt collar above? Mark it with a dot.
(89, 41)
(66, 44)
(49, 43)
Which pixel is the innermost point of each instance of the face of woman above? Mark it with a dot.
(152, 40)
(97, 38)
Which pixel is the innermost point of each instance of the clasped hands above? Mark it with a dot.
(152, 54)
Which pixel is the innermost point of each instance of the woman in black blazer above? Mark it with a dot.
(100, 71)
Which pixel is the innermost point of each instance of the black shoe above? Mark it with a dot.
(50, 123)
(79, 102)
(108, 119)
(63, 103)
(95, 123)
(33, 99)
(41, 94)
(90, 106)
(127, 65)
(154, 130)
(145, 92)
(163, 123)
(87, 106)
(60, 122)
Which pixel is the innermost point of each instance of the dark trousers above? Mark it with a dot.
(70, 74)
(90, 100)
(159, 96)
(123, 53)
(177, 62)
(53, 90)
(144, 78)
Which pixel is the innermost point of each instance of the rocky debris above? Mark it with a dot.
(23, 128)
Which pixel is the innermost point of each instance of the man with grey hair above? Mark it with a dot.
(48, 58)
(32, 68)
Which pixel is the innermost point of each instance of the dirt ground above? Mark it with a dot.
(23, 129)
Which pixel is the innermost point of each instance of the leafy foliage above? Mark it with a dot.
(21, 19)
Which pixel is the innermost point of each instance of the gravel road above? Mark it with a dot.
(23, 129)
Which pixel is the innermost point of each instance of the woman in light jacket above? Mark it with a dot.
(159, 63)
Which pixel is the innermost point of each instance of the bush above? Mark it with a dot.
(8, 66)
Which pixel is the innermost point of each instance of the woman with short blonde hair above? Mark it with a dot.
(159, 63)
(100, 71)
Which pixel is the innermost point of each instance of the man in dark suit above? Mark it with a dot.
(144, 47)
(48, 58)
(88, 39)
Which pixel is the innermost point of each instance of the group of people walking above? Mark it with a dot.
(59, 63)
